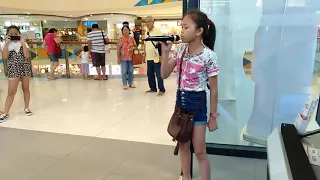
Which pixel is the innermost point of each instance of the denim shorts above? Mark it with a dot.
(53, 58)
(189, 102)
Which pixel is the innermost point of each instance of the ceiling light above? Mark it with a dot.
(91, 15)
(45, 21)
(28, 13)
(70, 15)
(65, 20)
(85, 18)
(111, 14)
(104, 18)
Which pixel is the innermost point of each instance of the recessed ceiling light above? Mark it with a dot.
(91, 15)
(104, 18)
(111, 14)
(28, 13)
(85, 18)
(65, 20)
(70, 15)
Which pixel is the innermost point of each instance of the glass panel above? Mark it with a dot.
(279, 40)
(41, 62)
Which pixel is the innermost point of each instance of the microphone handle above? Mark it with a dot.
(159, 38)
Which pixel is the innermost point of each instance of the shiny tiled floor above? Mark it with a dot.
(89, 130)
(33, 155)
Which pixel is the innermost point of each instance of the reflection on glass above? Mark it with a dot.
(236, 23)
(279, 39)
(285, 46)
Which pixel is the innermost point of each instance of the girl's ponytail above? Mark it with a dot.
(209, 38)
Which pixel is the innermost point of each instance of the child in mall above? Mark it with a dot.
(85, 56)
(196, 64)
(16, 51)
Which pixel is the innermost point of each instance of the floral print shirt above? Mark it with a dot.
(196, 70)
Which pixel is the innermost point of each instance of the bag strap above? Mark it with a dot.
(180, 67)
(148, 33)
(201, 103)
(104, 40)
(180, 70)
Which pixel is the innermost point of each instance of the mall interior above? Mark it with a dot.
(269, 62)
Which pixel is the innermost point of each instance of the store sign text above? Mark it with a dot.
(8, 23)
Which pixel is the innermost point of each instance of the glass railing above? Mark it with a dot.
(70, 63)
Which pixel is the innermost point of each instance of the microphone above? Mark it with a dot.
(172, 38)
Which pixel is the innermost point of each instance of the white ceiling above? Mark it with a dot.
(75, 9)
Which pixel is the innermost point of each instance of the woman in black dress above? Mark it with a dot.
(16, 51)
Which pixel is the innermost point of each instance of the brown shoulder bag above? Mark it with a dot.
(181, 125)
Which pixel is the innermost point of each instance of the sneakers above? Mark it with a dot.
(125, 87)
(160, 93)
(132, 86)
(27, 112)
(150, 91)
(3, 117)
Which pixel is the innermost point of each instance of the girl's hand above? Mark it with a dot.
(22, 40)
(119, 61)
(212, 124)
(8, 39)
(166, 47)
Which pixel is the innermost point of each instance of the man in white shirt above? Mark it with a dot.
(153, 59)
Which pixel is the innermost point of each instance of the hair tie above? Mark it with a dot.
(209, 23)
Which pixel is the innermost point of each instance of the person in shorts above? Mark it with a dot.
(96, 42)
(50, 40)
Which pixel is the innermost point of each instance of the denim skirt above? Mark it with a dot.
(189, 101)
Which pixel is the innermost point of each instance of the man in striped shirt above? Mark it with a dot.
(96, 42)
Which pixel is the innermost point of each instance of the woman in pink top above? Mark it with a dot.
(51, 40)
(126, 45)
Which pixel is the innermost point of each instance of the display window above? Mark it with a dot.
(44, 69)
(169, 27)
(30, 30)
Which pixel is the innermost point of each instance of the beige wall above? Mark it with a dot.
(70, 5)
